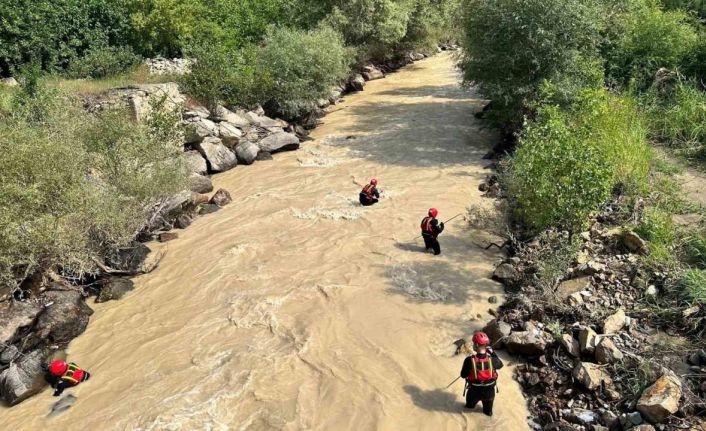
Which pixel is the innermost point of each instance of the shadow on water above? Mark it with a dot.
(436, 400)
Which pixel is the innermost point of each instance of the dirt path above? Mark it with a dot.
(294, 308)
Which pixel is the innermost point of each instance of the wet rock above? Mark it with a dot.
(371, 73)
(168, 236)
(493, 300)
(462, 347)
(221, 198)
(357, 83)
(209, 209)
(200, 184)
(195, 162)
(530, 342)
(219, 157)
(247, 152)
(229, 133)
(15, 316)
(634, 243)
(505, 272)
(607, 352)
(63, 405)
(197, 129)
(591, 376)
(263, 156)
(588, 340)
(497, 331)
(614, 323)
(183, 221)
(277, 142)
(23, 378)
(568, 287)
(129, 258)
(9, 354)
(661, 399)
(571, 345)
(115, 288)
(64, 318)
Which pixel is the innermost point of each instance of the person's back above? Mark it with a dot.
(431, 228)
(480, 372)
(370, 194)
(66, 375)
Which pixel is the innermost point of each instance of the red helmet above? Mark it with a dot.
(481, 339)
(374, 182)
(433, 212)
(58, 367)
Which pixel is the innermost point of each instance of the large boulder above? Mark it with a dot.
(196, 112)
(530, 342)
(661, 399)
(197, 129)
(607, 352)
(237, 119)
(357, 83)
(200, 184)
(497, 331)
(591, 376)
(114, 288)
(23, 378)
(247, 152)
(65, 317)
(219, 157)
(614, 322)
(264, 121)
(505, 272)
(15, 316)
(371, 73)
(229, 133)
(277, 142)
(195, 162)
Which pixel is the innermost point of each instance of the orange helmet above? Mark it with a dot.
(433, 212)
(58, 368)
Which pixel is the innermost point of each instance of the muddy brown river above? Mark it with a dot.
(294, 308)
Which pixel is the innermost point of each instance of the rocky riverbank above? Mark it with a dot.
(603, 343)
(40, 319)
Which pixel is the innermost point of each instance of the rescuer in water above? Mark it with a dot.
(480, 372)
(431, 228)
(370, 195)
(66, 375)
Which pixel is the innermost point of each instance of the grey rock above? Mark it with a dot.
(505, 272)
(219, 157)
(14, 316)
(651, 292)
(635, 418)
(195, 162)
(199, 129)
(264, 156)
(200, 184)
(196, 112)
(209, 209)
(371, 73)
(497, 331)
(569, 287)
(115, 288)
(229, 133)
(9, 354)
(634, 243)
(23, 378)
(183, 221)
(236, 119)
(64, 318)
(247, 152)
(357, 83)
(128, 258)
(63, 404)
(8, 82)
(282, 141)
(529, 343)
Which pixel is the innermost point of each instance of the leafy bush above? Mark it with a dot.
(650, 39)
(568, 161)
(512, 46)
(103, 62)
(75, 185)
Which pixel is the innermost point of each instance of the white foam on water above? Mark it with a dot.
(333, 206)
(409, 281)
(318, 159)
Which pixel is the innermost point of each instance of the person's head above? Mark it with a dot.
(374, 182)
(58, 368)
(433, 212)
(481, 342)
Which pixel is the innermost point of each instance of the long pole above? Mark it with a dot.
(455, 380)
(444, 222)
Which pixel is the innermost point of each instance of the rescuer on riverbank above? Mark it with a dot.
(63, 375)
(480, 372)
(431, 228)
(370, 194)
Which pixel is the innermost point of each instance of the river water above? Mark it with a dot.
(294, 308)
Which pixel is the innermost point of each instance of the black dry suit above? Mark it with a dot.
(480, 372)
(369, 195)
(431, 228)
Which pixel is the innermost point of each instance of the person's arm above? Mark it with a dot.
(376, 193)
(63, 384)
(437, 226)
(467, 367)
(497, 362)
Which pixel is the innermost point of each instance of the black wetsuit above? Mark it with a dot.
(431, 234)
(62, 383)
(485, 392)
(370, 198)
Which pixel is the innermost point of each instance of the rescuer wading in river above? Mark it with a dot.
(480, 372)
(431, 228)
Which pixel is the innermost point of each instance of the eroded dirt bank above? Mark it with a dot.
(294, 308)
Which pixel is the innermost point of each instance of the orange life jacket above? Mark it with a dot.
(426, 225)
(483, 373)
(73, 374)
(368, 191)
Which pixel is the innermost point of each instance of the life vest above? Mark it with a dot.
(483, 373)
(73, 374)
(426, 225)
(368, 191)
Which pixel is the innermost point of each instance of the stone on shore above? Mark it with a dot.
(221, 198)
(661, 399)
(16, 315)
(129, 258)
(614, 322)
(195, 162)
(219, 157)
(224, 115)
(357, 83)
(247, 152)
(607, 352)
(371, 73)
(229, 133)
(23, 378)
(497, 331)
(64, 318)
(277, 142)
(530, 342)
(591, 376)
(505, 272)
(200, 184)
(114, 288)
(197, 129)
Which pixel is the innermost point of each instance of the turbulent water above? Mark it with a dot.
(295, 308)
